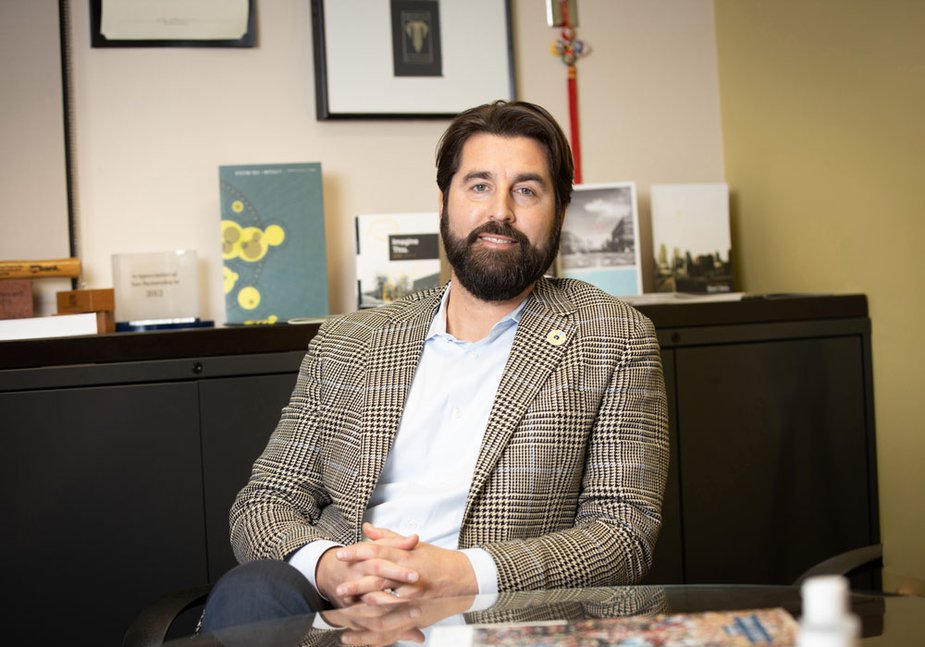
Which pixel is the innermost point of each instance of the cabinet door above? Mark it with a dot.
(668, 567)
(773, 457)
(238, 415)
(102, 507)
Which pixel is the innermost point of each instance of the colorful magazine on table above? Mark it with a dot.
(767, 627)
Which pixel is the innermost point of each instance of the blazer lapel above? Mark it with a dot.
(543, 335)
(394, 352)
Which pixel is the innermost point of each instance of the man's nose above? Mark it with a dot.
(502, 208)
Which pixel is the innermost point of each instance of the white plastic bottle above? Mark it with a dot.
(827, 620)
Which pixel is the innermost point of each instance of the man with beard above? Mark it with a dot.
(505, 432)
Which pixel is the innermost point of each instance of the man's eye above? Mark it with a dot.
(480, 188)
(526, 191)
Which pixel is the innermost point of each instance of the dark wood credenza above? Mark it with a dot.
(122, 453)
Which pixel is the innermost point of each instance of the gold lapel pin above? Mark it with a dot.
(555, 337)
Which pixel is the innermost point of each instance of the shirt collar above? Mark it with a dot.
(438, 325)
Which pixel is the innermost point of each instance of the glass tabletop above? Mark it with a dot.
(885, 619)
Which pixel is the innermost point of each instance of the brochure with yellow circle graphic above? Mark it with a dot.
(273, 243)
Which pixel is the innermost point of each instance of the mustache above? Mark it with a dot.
(498, 229)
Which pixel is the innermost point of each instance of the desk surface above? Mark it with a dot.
(206, 342)
(885, 619)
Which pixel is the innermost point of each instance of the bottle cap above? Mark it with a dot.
(825, 599)
(827, 620)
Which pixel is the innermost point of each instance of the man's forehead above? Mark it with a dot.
(485, 154)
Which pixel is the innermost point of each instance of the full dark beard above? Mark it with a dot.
(497, 275)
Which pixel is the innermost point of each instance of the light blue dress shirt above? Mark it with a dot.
(425, 480)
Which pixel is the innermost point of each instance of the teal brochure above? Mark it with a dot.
(273, 243)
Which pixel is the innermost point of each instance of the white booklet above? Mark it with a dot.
(397, 254)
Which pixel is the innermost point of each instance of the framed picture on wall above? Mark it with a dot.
(600, 238)
(410, 58)
(172, 23)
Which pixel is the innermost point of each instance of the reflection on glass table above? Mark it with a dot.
(885, 619)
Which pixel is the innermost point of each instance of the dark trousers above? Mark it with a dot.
(258, 592)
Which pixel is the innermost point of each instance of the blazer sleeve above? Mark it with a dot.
(619, 505)
(278, 511)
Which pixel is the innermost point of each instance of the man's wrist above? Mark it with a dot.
(307, 559)
(485, 569)
(323, 574)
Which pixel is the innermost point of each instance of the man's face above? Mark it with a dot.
(499, 223)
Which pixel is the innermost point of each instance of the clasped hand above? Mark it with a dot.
(406, 566)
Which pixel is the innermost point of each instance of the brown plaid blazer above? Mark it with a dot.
(568, 484)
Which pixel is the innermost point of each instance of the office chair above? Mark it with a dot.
(151, 626)
(850, 563)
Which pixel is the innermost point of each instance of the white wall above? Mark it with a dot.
(153, 126)
(33, 194)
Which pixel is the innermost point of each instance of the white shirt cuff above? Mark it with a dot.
(305, 560)
(486, 571)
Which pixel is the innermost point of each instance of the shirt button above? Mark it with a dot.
(412, 524)
(456, 413)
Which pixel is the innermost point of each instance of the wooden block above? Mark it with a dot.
(105, 321)
(74, 301)
(16, 299)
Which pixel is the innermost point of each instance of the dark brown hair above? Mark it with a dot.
(508, 119)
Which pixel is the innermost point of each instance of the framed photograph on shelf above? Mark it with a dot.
(691, 239)
(410, 59)
(397, 254)
(600, 238)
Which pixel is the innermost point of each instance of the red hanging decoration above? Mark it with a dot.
(569, 49)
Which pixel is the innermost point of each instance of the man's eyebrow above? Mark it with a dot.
(531, 177)
(523, 177)
(477, 175)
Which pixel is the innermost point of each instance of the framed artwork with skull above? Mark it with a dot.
(416, 38)
(410, 59)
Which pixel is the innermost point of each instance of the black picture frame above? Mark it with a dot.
(98, 39)
(355, 58)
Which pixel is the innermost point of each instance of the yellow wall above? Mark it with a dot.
(823, 112)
